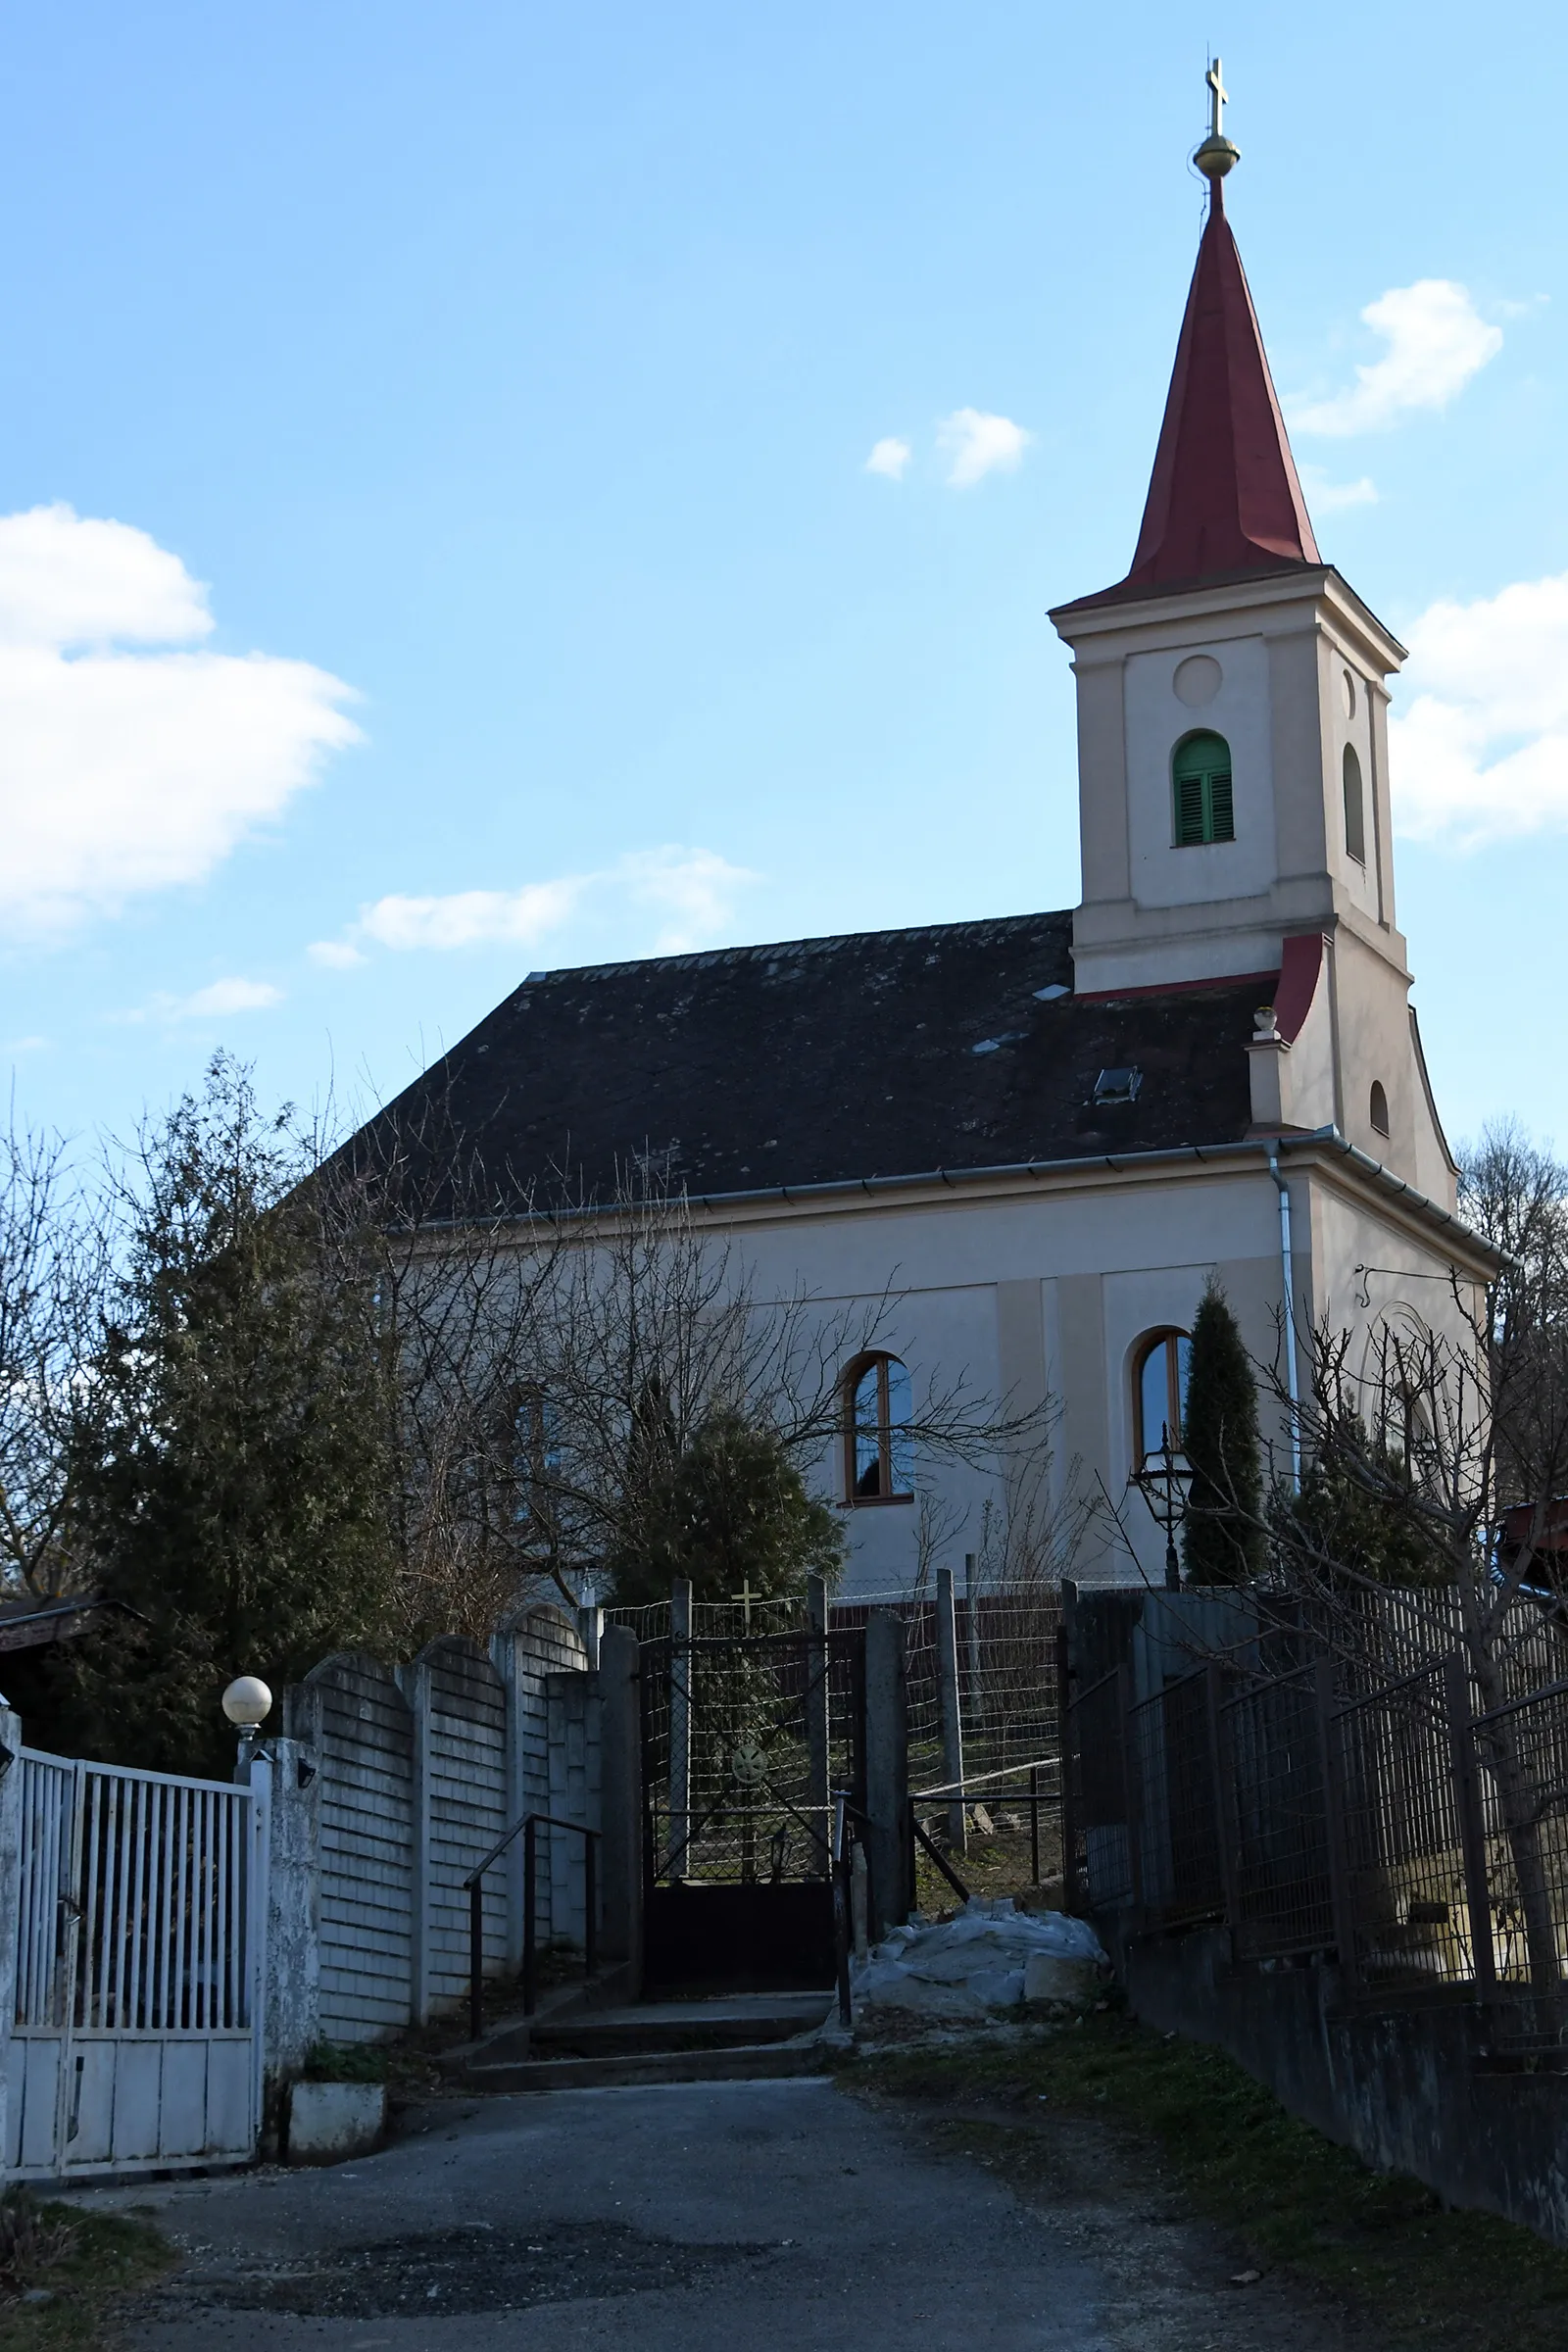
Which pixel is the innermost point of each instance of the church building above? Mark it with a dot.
(1045, 1132)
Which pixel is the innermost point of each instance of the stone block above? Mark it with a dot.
(330, 2120)
(1048, 1977)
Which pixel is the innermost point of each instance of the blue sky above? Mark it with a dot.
(458, 553)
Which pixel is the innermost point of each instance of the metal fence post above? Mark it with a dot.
(680, 1723)
(948, 1707)
(530, 1931)
(1133, 1776)
(476, 1960)
(11, 1868)
(971, 1629)
(1066, 1734)
(1472, 1827)
(1342, 1901)
(887, 1771)
(818, 1726)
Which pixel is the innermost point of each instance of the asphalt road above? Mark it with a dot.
(785, 2216)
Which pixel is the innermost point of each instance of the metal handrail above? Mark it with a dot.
(1033, 1797)
(845, 1814)
(529, 1826)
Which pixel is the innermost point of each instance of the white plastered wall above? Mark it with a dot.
(1109, 1263)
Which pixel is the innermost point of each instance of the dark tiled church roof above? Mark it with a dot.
(881, 1053)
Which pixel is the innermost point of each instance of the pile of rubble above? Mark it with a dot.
(989, 1960)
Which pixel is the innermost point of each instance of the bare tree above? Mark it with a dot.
(52, 1262)
(638, 1326)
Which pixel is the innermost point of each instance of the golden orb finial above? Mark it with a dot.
(1218, 154)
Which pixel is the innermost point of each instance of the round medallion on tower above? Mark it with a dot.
(1198, 680)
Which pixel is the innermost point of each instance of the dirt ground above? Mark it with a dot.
(792, 2216)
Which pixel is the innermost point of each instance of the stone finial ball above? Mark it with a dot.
(247, 1703)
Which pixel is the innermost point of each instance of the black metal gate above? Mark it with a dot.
(745, 1744)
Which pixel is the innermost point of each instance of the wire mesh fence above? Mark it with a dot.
(1420, 1841)
(743, 1743)
(1005, 1644)
(1272, 1770)
(1403, 1835)
(1522, 1755)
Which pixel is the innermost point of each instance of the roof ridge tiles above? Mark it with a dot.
(710, 959)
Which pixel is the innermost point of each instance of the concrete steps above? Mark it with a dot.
(743, 2038)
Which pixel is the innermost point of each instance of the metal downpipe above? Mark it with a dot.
(1288, 1280)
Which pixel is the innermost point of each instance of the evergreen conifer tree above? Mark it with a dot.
(732, 1508)
(1222, 1536)
(232, 1470)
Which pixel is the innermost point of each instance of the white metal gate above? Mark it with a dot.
(139, 1964)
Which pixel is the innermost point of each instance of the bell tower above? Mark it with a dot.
(1233, 777)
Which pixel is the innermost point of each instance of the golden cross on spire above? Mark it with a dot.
(1217, 154)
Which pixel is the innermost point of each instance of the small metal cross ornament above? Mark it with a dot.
(746, 1596)
(1218, 99)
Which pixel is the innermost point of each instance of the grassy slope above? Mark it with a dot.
(1382, 2243)
(107, 2257)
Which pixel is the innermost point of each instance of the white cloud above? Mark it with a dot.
(889, 456)
(472, 918)
(126, 771)
(221, 997)
(1481, 751)
(978, 445)
(1436, 340)
(217, 1002)
(1330, 498)
(695, 889)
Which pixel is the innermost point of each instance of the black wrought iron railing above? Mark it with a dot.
(528, 1828)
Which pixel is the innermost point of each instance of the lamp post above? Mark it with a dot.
(247, 1702)
(1163, 1482)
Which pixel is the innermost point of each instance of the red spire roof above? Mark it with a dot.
(1224, 495)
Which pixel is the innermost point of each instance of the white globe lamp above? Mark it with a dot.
(247, 1702)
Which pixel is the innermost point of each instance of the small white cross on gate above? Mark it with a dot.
(746, 1596)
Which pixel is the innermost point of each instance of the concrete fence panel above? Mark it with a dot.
(460, 1709)
(356, 1724)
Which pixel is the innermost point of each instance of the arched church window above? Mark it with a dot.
(879, 1447)
(1380, 1107)
(1200, 779)
(1355, 808)
(1159, 1390)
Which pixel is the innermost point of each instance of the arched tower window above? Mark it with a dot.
(1355, 808)
(1159, 1390)
(1379, 1107)
(1200, 782)
(878, 1447)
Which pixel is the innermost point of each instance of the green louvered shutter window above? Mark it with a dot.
(1201, 773)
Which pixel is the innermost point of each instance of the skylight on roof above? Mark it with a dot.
(1118, 1085)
